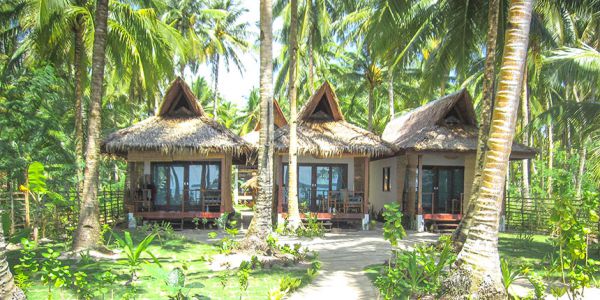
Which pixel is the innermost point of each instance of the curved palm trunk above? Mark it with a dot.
(391, 93)
(293, 212)
(371, 107)
(460, 234)
(216, 87)
(78, 57)
(260, 227)
(476, 273)
(87, 235)
(8, 289)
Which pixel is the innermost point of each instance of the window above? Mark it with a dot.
(386, 187)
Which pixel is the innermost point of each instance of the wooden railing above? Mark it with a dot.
(191, 200)
(455, 205)
(327, 201)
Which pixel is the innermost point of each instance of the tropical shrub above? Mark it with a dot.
(393, 231)
(134, 252)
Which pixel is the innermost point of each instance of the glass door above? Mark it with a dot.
(305, 184)
(442, 189)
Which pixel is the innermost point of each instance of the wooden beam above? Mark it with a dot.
(420, 185)
(366, 185)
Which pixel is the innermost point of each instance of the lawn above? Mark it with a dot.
(201, 282)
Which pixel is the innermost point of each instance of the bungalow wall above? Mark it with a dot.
(378, 195)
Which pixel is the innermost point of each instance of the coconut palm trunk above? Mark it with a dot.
(8, 289)
(293, 211)
(79, 65)
(370, 104)
(460, 235)
(87, 235)
(525, 186)
(216, 61)
(476, 273)
(549, 182)
(260, 227)
(391, 93)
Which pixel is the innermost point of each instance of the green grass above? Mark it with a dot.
(201, 281)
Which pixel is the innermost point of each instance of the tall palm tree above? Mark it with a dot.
(87, 235)
(293, 211)
(485, 105)
(251, 112)
(8, 289)
(260, 227)
(477, 270)
(226, 39)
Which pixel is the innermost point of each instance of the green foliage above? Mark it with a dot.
(572, 237)
(393, 231)
(134, 252)
(312, 228)
(509, 273)
(53, 272)
(416, 273)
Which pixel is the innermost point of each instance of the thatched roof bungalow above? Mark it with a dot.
(179, 161)
(432, 171)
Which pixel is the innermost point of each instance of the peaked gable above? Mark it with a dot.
(323, 105)
(279, 119)
(179, 101)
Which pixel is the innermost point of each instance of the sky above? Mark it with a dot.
(234, 86)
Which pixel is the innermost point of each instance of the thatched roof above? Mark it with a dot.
(180, 126)
(323, 131)
(279, 120)
(447, 124)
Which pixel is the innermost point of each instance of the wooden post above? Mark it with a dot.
(366, 186)
(420, 221)
(412, 188)
(226, 201)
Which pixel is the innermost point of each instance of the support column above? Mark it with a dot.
(226, 203)
(420, 220)
(365, 223)
(277, 190)
(412, 189)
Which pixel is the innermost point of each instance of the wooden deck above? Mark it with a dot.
(442, 217)
(176, 215)
(331, 216)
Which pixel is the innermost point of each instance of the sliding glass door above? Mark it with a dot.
(442, 189)
(315, 181)
(185, 184)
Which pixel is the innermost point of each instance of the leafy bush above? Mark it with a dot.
(393, 231)
(416, 273)
(313, 227)
(509, 273)
(134, 252)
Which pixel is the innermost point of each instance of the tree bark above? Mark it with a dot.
(460, 234)
(293, 211)
(260, 227)
(580, 169)
(216, 87)
(391, 93)
(79, 65)
(8, 289)
(87, 235)
(525, 188)
(476, 273)
(371, 107)
(549, 183)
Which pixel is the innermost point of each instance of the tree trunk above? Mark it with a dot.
(293, 212)
(371, 107)
(311, 68)
(580, 169)
(525, 188)
(216, 87)
(79, 65)
(391, 93)
(8, 289)
(460, 234)
(260, 227)
(87, 235)
(476, 273)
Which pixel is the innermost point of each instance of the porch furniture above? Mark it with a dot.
(354, 202)
(211, 200)
(336, 200)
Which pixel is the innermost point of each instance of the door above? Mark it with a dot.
(442, 189)
(185, 185)
(314, 183)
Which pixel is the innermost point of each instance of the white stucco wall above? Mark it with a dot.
(441, 159)
(341, 160)
(377, 197)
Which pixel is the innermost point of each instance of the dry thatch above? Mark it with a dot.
(447, 124)
(323, 131)
(180, 126)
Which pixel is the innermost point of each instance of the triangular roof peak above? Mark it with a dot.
(323, 105)
(179, 101)
(279, 119)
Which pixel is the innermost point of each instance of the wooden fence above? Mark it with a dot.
(532, 215)
(14, 207)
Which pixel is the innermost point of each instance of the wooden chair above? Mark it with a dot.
(211, 199)
(336, 200)
(354, 202)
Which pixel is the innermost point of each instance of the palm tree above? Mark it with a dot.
(485, 105)
(87, 235)
(226, 38)
(251, 113)
(293, 211)
(8, 289)
(477, 269)
(260, 227)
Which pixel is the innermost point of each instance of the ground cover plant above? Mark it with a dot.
(183, 272)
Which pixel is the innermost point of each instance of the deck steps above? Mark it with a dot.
(444, 227)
